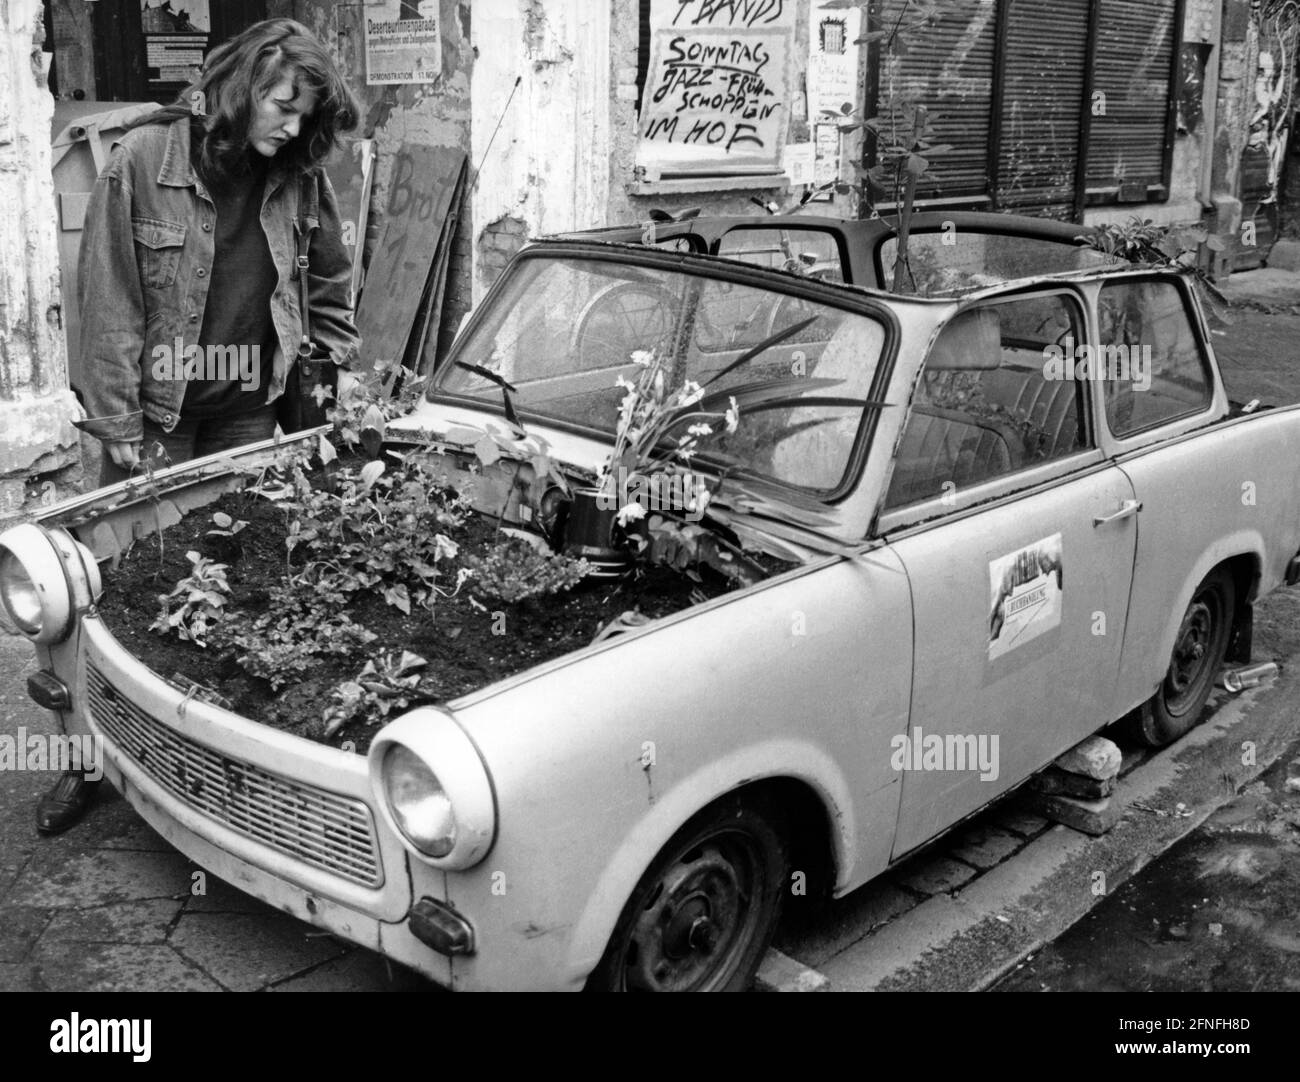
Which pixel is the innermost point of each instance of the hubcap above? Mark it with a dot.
(1187, 669)
(698, 919)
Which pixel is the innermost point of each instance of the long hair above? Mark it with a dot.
(237, 74)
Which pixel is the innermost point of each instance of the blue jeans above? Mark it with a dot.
(193, 438)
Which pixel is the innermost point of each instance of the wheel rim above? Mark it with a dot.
(1193, 650)
(699, 918)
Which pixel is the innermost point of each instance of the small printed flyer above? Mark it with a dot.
(1026, 590)
(403, 41)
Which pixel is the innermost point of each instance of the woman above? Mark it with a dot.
(190, 310)
(187, 276)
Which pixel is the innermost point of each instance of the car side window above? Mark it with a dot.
(1155, 365)
(987, 404)
(811, 252)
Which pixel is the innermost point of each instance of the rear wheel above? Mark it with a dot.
(1199, 649)
(704, 913)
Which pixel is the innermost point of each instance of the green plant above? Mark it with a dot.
(376, 530)
(225, 525)
(363, 409)
(296, 628)
(386, 683)
(900, 137)
(513, 571)
(649, 410)
(1141, 241)
(196, 603)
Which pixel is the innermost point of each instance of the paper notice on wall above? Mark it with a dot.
(175, 17)
(175, 39)
(717, 92)
(1026, 591)
(826, 161)
(403, 41)
(797, 160)
(832, 60)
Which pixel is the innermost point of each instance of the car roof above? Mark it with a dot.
(714, 225)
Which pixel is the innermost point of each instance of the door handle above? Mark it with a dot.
(1126, 510)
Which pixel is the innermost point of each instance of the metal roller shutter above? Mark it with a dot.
(1134, 69)
(1042, 102)
(949, 68)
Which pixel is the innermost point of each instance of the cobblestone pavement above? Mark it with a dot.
(110, 906)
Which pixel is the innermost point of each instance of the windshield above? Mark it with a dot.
(565, 330)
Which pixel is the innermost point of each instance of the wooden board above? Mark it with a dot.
(421, 191)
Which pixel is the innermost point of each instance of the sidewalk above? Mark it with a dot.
(110, 906)
(1276, 286)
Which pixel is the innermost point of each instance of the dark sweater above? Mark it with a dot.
(238, 310)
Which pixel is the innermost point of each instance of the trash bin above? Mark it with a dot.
(83, 135)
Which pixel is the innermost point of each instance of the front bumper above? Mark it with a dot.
(284, 819)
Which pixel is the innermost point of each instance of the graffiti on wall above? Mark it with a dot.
(1275, 85)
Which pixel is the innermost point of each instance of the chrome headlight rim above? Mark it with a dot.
(438, 742)
(435, 839)
(63, 575)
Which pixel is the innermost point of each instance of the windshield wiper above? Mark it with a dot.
(506, 390)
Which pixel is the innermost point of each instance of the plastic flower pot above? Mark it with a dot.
(590, 535)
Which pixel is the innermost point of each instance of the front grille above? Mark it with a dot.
(331, 832)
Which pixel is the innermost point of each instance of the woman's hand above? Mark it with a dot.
(124, 454)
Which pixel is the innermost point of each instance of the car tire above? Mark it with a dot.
(704, 913)
(1199, 649)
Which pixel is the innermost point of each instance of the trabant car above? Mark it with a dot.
(1002, 521)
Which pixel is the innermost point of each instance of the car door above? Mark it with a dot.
(1205, 498)
(1018, 539)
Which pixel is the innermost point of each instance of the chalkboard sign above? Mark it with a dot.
(717, 94)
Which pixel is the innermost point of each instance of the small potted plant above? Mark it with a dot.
(658, 432)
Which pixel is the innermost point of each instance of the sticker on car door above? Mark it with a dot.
(1025, 589)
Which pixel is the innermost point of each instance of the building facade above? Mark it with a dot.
(572, 114)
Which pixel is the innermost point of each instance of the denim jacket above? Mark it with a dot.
(144, 269)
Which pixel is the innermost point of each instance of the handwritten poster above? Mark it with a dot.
(717, 93)
(403, 41)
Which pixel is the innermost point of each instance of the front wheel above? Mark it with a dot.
(704, 913)
(1199, 649)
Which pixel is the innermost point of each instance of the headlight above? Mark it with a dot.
(433, 789)
(418, 802)
(21, 599)
(45, 577)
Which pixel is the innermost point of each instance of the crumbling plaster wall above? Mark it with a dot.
(626, 207)
(1239, 53)
(563, 158)
(38, 445)
(544, 170)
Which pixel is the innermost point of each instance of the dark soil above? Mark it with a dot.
(466, 646)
